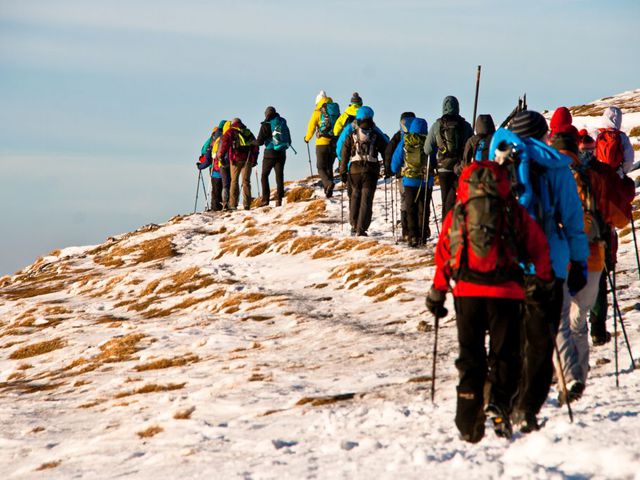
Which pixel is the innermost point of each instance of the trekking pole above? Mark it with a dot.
(475, 103)
(435, 355)
(425, 219)
(309, 156)
(435, 215)
(195, 206)
(386, 215)
(635, 243)
(342, 207)
(616, 310)
(563, 381)
(393, 214)
(204, 189)
(257, 183)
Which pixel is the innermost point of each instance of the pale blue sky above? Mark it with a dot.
(104, 104)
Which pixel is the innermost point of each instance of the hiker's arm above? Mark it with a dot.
(311, 127)
(430, 144)
(264, 134)
(536, 244)
(571, 213)
(398, 157)
(443, 254)
(628, 154)
(345, 154)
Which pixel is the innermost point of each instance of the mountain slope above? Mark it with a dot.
(268, 344)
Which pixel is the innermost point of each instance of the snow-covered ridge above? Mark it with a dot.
(269, 344)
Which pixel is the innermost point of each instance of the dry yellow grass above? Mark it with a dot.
(259, 249)
(151, 388)
(311, 214)
(39, 348)
(232, 304)
(302, 244)
(299, 194)
(635, 132)
(383, 285)
(325, 400)
(120, 349)
(49, 465)
(167, 363)
(147, 251)
(150, 432)
(390, 294)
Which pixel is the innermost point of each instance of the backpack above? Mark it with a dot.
(364, 143)
(483, 243)
(280, 134)
(243, 139)
(329, 114)
(414, 157)
(609, 148)
(449, 138)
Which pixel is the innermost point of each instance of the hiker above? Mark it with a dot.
(477, 147)
(238, 144)
(405, 121)
(448, 136)
(359, 166)
(209, 150)
(274, 134)
(594, 190)
(321, 123)
(349, 114)
(488, 291)
(615, 212)
(612, 145)
(417, 174)
(547, 189)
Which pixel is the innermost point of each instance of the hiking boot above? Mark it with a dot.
(329, 191)
(413, 242)
(599, 340)
(362, 234)
(279, 202)
(575, 389)
(353, 232)
(500, 421)
(526, 422)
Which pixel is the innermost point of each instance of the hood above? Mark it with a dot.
(612, 118)
(226, 127)
(405, 124)
(546, 156)
(487, 169)
(561, 121)
(565, 142)
(352, 109)
(485, 125)
(450, 106)
(271, 116)
(237, 124)
(418, 125)
(364, 112)
(322, 101)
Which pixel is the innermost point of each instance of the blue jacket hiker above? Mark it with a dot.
(547, 189)
(410, 160)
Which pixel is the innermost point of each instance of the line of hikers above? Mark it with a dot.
(528, 233)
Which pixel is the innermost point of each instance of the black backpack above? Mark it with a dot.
(450, 140)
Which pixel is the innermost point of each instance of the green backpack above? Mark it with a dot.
(415, 159)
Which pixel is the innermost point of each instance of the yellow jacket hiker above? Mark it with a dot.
(349, 115)
(314, 123)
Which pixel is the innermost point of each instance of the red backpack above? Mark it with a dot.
(609, 148)
(483, 243)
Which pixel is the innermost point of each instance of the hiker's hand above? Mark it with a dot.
(577, 278)
(538, 290)
(435, 303)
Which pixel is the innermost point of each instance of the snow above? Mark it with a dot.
(304, 331)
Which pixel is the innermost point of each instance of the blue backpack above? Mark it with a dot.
(329, 113)
(280, 134)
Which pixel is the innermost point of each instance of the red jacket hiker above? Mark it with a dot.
(231, 145)
(529, 236)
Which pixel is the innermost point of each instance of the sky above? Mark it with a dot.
(104, 105)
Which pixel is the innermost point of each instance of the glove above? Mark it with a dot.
(538, 290)
(344, 177)
(435, 302)
(306, 141)
(577, 278)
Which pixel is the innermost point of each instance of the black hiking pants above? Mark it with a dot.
(216, 194)
(598, 314)
(363, 188)
(325, 156)
(276, 164)
(537, 345)
(502, 318)
(418, 210)
(448, 185)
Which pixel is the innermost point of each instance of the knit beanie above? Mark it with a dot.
(586, 141)
(529, 123)
(320, 96)
(355, 99)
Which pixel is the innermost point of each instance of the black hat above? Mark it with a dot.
(407, 115)
(355, 98)
(529, 124)
(270, 111)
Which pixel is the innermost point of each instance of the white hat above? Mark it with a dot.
(320, 96)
